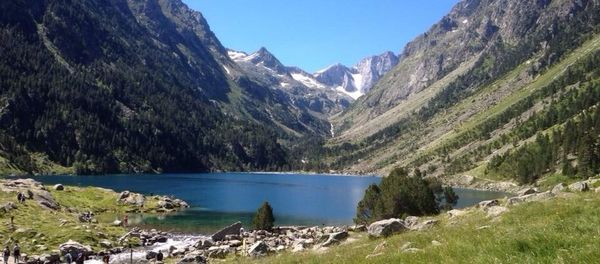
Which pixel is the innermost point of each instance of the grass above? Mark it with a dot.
(40, 230)
(562, 230)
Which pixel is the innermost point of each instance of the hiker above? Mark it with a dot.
(6, 255)
(125, 220)
(80, 259)
(17, 253)
(68, 258)
(21, 197)
(106, 259)
(159, 256)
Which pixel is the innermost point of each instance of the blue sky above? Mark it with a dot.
(314, 34)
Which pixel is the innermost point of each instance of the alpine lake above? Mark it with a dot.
(219, 199)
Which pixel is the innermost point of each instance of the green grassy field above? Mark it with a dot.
(565, 229)
(41, 230)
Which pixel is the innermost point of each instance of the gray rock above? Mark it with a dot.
(258, 249)
(386, 228)
(559, 188)
(204, 243)
(233, 229)
(219, 252)
(489, 203)
(59, 187)
(151, 254)
(105, 243)
(335, 238)
(74, 248)
(193, 258)
(423, 225)
(357, 228)
(528, 190)
(496, 211)
(7, 207)
(579, 187)
(530, 198)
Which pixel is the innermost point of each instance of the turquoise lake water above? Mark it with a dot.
(219, 199)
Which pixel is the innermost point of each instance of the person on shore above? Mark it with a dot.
(68, 258)
(106, 259)
(6, 255)
(80, 259)
(17, 253)
(159, 256)
(125, 220)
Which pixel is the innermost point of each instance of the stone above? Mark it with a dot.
(559, 188)
(411, 221)
(597, 190)
(59, 187)
(335, 238)
(233, 229)
(117, 223)
(489, 203)
(530, 198)
(496, 211)
(7, 207)
(298, 246)
(219, 252)
(436, 243)
(357, 228)
(193, 258)
(386, 228)
(74, 248)
(204, 243)
(151, 254)
(258, 249)
(424, 225)
(456, 213)
(579, 187)
(528, 190)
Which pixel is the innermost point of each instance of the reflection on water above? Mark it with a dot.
(218, 199)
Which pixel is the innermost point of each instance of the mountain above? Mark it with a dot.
(106, 86)
(318, 100)
(357, 80)
(498, 90)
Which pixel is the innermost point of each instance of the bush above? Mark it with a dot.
(264, 219)
(398, 195)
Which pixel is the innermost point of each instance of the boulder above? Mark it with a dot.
(219, 252)
(233, 229)
(335, 238)
(530, 198)
(7, 207)
(204, 243)
(386, 228)
(74, 248)
(423, 225)
(489, 203)
(456, 213)
(151, 254)
(579, 187)
(59, 187)
(117, 223)
(259, 248)
(528, 190)
(559, 188)
(357, 228)
(193, 258)
(496, 211)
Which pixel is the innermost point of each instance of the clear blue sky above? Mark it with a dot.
(313, 34)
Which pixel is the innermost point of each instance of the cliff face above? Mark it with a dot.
(450, 102)
(473, 28)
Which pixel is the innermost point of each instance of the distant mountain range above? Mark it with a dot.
(354, 81)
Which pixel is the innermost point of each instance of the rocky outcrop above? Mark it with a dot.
(32, 190)
(579, 187)
(130, 198)
(258, 249)
(530, 198)
(233, 229)
(335, 238)
(385, 228)
(74, 248)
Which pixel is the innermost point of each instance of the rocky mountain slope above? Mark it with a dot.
(357, 80)
(130, 86)
(475, 88)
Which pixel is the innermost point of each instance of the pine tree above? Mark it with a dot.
(264, 219)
